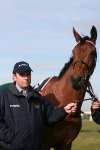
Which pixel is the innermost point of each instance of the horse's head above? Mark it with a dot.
(84, 58)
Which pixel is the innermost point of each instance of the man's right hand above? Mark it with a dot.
(71, 108)
(95, 104)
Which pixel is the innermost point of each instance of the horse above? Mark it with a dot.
(70, 86)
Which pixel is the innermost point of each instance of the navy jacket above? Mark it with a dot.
(96, 115)
(22, 119)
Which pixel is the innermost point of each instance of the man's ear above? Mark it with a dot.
(14, 77)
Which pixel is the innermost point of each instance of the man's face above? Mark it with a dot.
(22, 80)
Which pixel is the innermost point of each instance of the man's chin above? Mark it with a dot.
(25, 86)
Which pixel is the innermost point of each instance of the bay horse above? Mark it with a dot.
(70, 86)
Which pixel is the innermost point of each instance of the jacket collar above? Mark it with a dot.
(33, 96)
(15, 91)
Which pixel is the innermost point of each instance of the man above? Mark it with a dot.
(24, 113)
(95, 110)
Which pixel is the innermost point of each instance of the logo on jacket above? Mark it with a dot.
(15, 105)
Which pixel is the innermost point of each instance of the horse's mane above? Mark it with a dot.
(66, 67)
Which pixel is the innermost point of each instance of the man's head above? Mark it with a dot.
(22, 74)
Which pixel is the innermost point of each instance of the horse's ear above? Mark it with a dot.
(93, 33)
(76, 35)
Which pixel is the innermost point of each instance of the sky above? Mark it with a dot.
(40, 33)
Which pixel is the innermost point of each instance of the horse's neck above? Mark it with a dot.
(60, 91)
(66, 93)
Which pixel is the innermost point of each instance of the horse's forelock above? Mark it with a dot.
(83, 39)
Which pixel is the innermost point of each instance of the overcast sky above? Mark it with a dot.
(40, 32)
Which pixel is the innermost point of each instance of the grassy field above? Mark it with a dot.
(88, 138)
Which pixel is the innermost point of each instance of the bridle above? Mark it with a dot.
(88, 41)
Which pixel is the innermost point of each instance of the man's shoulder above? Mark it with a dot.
(4, 87)
(36, 93)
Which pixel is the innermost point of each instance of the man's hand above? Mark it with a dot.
(95, 105)
(71, 108)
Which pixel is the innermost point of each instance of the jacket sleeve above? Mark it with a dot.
(53, 114)
(96, 115)
(5, 133)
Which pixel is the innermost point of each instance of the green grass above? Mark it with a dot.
(88, 138)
